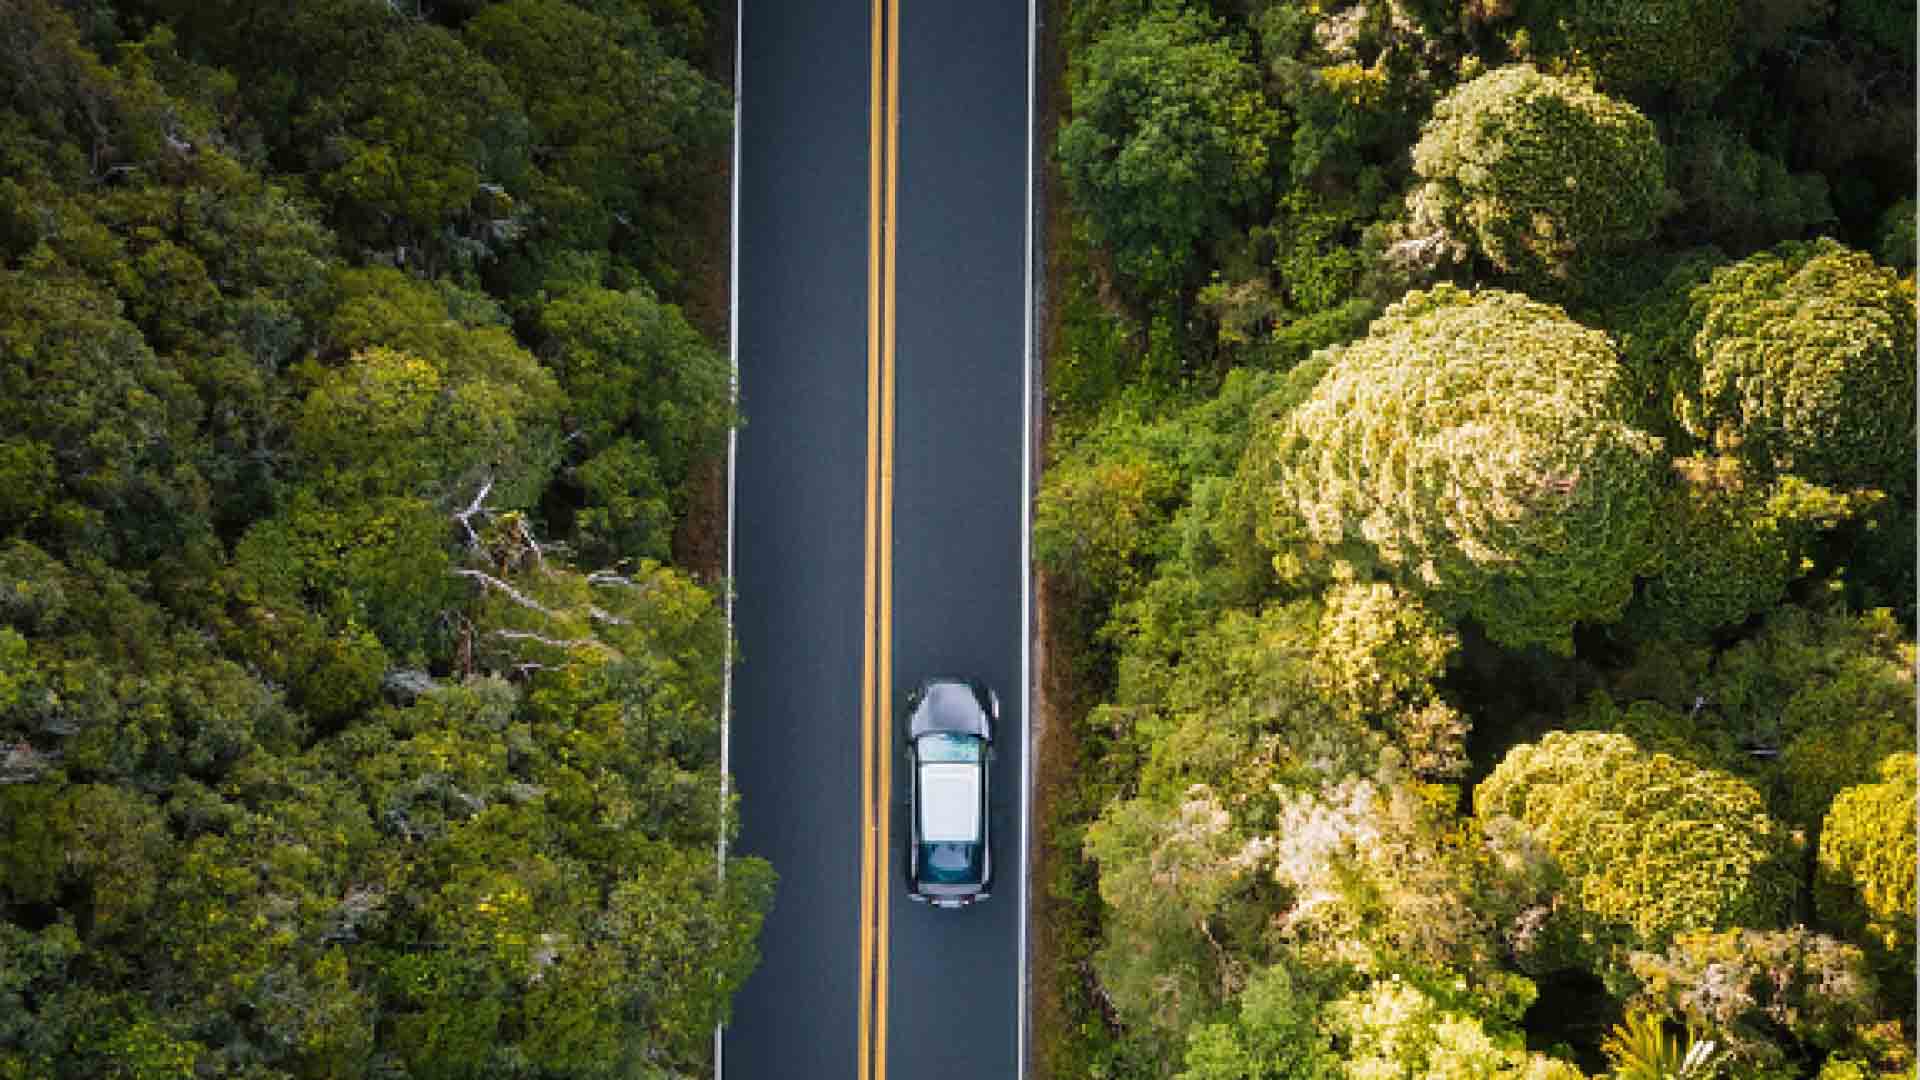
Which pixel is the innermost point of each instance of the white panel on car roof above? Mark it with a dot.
(949, 803)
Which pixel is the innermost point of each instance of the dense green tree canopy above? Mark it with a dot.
(1475, 449)
(1169, 135)
(1307, 565)
(327, 746)
(1641, 47)
(1833, 692)
(1534, 172)
(650, 399)
(1730, 544)
(616, 121)
(1274, 1034)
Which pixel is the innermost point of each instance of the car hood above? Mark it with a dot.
(950, 707)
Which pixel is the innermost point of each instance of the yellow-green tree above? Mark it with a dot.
(1650, 845)
(1865, 881)
(1536, 173)
(1806, 365)
(1772, 999)
(1474, 449)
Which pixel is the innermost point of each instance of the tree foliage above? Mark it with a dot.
(1747, 987)
(1473, 448)
(326, 748)
(1534, 172)
(1865, 879)
(1831, 691)
(1730, 545)
(651, 397)
(616, 120)
(1169, 136)
(1806, 361)
(1306, 575)
(1651, 846)
(1685, 47)
(1273, 1034)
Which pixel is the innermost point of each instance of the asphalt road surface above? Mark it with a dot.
(951, 986)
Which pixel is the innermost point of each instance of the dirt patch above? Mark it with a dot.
(1051, 741)
(1055, 750)
(700, 540)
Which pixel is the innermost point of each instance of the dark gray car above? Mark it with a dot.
(949, 750)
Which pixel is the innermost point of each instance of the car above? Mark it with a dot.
(950, 725)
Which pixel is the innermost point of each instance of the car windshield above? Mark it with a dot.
(941, 747)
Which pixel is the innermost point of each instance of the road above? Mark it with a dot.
(942, 988)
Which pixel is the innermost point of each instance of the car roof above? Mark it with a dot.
(949, 803)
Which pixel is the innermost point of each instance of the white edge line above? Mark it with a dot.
(733, 444)
(1026, 569)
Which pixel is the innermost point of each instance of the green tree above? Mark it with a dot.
(1651, 845)
(1274, 1035)
(1169, 136)
(84, 392)
(391, 421)
(618, 126)
(1730, 545)
(1536, 173)
(1895, 247)
(1384, 655)
(1138, 518)
(1103, 509)
(1733, 195)
(648, 399)
(264, 543)
(1165, 872)
(1831, 691)
(1865, 878)
(1806, 365)
(1474, 449)
(1685, 47)
(1394, 1029)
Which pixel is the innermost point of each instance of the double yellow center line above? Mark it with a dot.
(876, 688)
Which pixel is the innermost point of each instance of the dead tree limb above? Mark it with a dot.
(512, 593)
(477, 506)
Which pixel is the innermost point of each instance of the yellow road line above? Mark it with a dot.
(868, 839)
(885, 749)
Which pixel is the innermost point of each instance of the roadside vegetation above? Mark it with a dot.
(355, 717)
(1478, 539)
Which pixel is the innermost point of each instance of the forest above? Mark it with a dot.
(1477, 539)
(360, 642)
